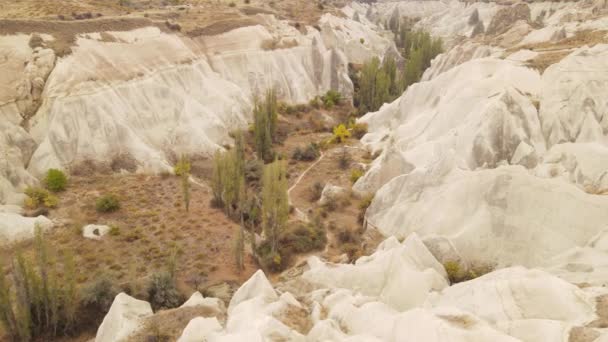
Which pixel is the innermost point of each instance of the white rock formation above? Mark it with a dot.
(332, 193)
(199, 329)
(14, 227)
(478, 113)
(95, 231)
(214, 305)
(125, 316)
(572, 106)
(400, 275)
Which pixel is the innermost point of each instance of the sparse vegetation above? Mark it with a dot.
(344, 159)
(265, 116)
(42, 305)
(309, 153)
(315, 191)
(275, 206)
(55, 180)
(38, 197)
(228, 181)
(457, 273)
(355, 174)
(331, 98)
(107, 204)
(341, 134)
(358, 129)
(380, 82)
(182, 169)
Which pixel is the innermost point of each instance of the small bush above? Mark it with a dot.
(331, 98)
(359, 130)
(315, 102)
(309, 153)
(344, 159)
(39, 197)
(362, 41)
(452, 268)
(51, 201)
(355, 174)
(107, 204)
(182, 166)
(55, 180)
(114, 230)
(315, 191)
(366, 201)
(99, 295)
(162, 292)
(341, 134)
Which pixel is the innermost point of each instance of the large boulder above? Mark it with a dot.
(95, 231)
(199, 328)
(125, 317)
(214, 305)
(401, 275)
(14, 227)
(501, 216)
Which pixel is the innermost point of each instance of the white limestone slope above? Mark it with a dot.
(152, 94)
(478, 113)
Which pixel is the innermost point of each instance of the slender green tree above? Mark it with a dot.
(275, 205)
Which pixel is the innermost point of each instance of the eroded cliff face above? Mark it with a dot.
(146, 95)
(497, 158)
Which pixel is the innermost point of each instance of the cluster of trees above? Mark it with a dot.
(40, 300)
(265, 117)
(43, 304)
(380, 82)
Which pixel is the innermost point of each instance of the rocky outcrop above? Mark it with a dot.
(95, 231)
(14, 227)
(125, 316)
(505, 17)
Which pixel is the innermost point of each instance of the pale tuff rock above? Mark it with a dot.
(213, 304)
(358, 41)
(94, 231)
(477, 113)
(332, 193)
(458, 55)
(583, 164)
(587, 264)
(257, 286)
(199, 329)
(14, 227)
(145, 95)
(516, 293)
(572, 107)
(125, 317)
(400, 276)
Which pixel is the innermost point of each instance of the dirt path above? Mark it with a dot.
(299, 213)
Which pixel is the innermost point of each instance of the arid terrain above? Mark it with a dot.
(290, 170)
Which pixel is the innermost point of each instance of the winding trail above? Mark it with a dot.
(299, 213)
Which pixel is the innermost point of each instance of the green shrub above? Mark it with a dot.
(182, 167)
(315, 102)
(232, 4)
(315, 191)
(344, 159)
(114, 230)
(331, 98)
(341, 134)
(362, 41)
(99, 295)
(107, 204)
(309, 153)
(162, 292)
(37, 197)
(359, 130)
(55, 180)
(355, 174)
